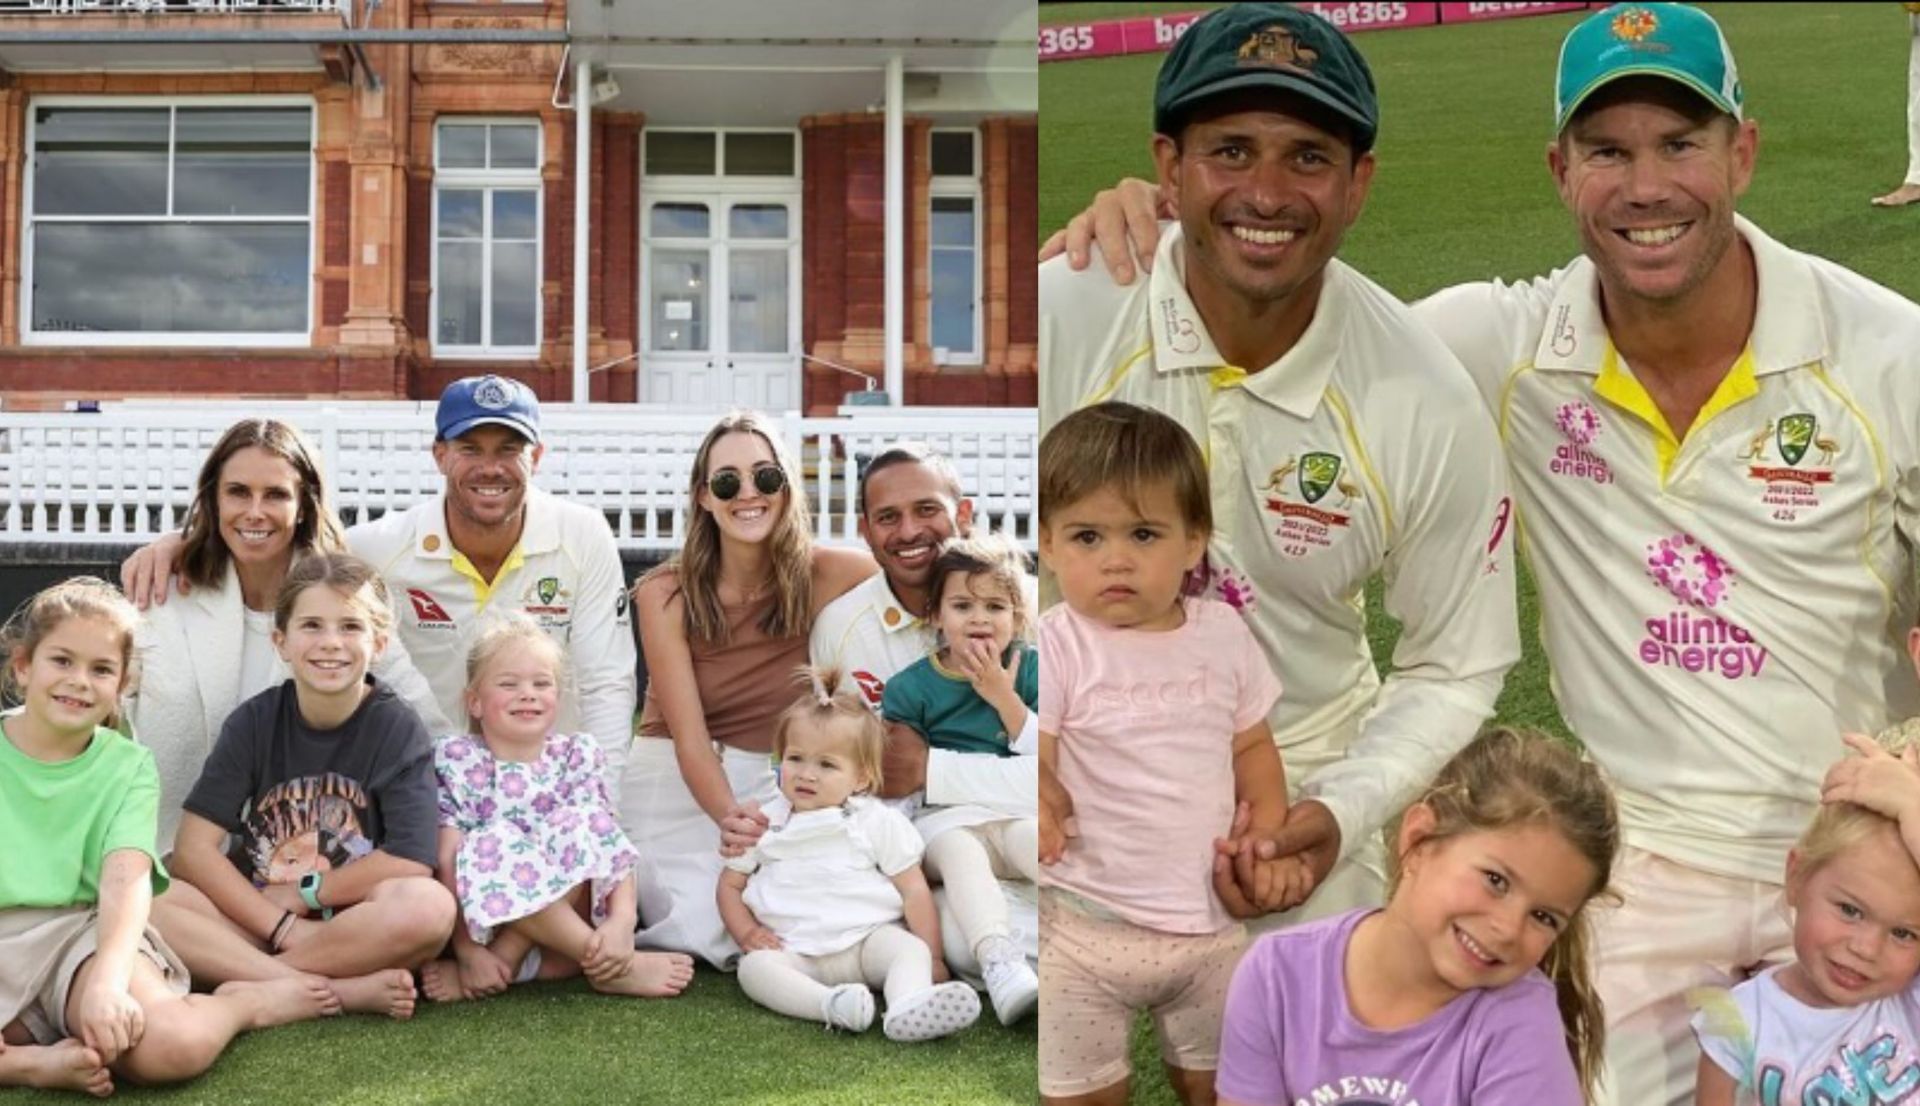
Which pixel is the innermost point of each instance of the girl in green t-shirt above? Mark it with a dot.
(977, 693)
(87, 989)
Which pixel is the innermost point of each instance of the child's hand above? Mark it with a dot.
(1292, 881)
(1057, 823)
(482, 971)
(1876, 779)
(609, 950)
(991, 680)
(1249, 886)
(760, 939)
(110, 1021)
(941, 973)
(285, 896)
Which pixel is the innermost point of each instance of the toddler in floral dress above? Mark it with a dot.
(528, 840)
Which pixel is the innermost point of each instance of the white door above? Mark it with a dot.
(719, 298)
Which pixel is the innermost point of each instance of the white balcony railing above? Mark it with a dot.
(183, 7)
(125, 475)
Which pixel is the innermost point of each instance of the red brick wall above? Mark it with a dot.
(617, 276)
(101, 373)
(420, 255)
(1023, 232)
(823, 191)
(556, 262)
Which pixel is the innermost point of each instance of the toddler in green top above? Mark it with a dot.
(977, 693)
(87, 989)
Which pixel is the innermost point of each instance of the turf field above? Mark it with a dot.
(1462, 191)
(558, 1044)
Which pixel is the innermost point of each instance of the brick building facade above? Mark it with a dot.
(156, 236)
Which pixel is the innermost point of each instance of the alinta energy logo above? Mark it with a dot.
(1579, 424)
(1694, 637)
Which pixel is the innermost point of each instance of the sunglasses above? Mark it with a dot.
(767, 480)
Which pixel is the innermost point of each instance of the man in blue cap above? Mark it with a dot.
(492, 544)
(1715, 443)
(1326, 413)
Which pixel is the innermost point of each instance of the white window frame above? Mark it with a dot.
(694, 180)
(956, 187)
(155, 338)
(487, 181)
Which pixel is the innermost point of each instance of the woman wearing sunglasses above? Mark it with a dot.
(724, 624)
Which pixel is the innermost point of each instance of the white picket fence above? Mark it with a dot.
(125, 474)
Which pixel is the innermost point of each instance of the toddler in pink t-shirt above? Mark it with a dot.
(1157, 766)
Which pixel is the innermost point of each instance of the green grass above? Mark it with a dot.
(561, 1044)
(1462, 192)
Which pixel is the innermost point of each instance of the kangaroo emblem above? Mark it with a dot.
(1279, 475)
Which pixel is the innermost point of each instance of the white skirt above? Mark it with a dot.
(680, 862)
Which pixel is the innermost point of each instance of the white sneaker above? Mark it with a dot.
(939, 1010)
(849, 1007)
(1012, 987)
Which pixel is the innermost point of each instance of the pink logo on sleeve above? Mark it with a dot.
(1693, 637)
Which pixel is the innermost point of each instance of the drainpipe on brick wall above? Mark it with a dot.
(582, 193)
(895, 252)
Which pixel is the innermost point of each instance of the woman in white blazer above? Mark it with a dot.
(259, 503)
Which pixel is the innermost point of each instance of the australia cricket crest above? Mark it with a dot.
(1307, 493)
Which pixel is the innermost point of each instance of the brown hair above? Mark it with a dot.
(344, 573)
(1128, 449)
(994, 556)
(697, 565)
(1837, 827)
(204, 554)
(1514, 777)
(77, 597)
(833, 706)
(498, 637)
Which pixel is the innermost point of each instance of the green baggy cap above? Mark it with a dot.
(1274, 46)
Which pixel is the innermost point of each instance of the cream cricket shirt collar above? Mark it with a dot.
(894, 615)
(1788, 330)
(539, 534)
(1294, 383)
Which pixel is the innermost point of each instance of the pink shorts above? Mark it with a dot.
(1097, 971)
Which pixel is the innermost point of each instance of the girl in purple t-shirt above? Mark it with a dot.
(1440, 998)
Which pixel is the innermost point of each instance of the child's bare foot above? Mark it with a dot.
(67, 1066)
(653, 975)
(271, 1002)
(388, 993)
(1899, 197)
(440, 981)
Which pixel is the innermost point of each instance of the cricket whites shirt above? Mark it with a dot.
(1717, 608)
(1363, 450)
